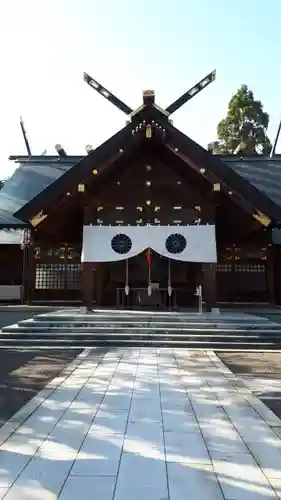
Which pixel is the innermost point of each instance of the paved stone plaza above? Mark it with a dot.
(142, 423)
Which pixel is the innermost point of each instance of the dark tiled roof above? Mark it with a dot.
(263, 173)
(33, 175)
(30, 178)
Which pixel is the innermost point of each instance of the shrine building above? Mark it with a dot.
(143, 220)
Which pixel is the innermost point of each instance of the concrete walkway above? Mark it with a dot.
(138, 424)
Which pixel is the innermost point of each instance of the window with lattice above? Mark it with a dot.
(224, 268)
(249, 268)
(58, 276)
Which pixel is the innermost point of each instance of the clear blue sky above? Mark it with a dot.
(129, 46)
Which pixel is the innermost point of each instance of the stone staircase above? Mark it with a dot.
(115, 328)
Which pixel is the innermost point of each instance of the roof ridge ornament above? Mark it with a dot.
(149, 96)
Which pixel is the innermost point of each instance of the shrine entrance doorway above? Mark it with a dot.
(153, 281)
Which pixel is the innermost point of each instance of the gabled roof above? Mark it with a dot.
(39, 181)
(261, 171)
(31, 177)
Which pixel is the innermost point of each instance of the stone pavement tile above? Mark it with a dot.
(11, 465)
(72, 428)
(253, 430)
(147, 371)
(40, 423)
(145, 439)
(193, 481)
(61, 398)
(176, 389)
(16, 452)
(44, 475)
(7, 430)
(26, 410)
(222, 436)
(3, 492)
(175, 402)
(268, 455)
(148, 391)
(113, 422)
(167, 368)
(277, 431)
(147, 380)
(99, 455)
(117, 401)
(216, 443)
(276, 485)
(87, 398)
(240, 477)
(121, 384)
(188, 448)
(141, 477)
(237, 407)
(205, 408)
(88, 488)
(177, 420)
(97, 386)
(124, 377)
(145, 410)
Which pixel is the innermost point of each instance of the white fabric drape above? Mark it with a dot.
(200, 242)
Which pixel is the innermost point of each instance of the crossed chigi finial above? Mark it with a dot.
(148, 98)
(149, 95)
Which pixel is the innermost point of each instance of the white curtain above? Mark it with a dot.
(184, 243)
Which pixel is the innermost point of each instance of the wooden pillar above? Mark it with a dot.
(210, 286)
(88, 273)
(29, 272)
(24, 297)
(270, 274)
(87, 285)
(210, 270)
(99, 278)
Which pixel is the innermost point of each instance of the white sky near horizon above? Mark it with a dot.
(129, 46)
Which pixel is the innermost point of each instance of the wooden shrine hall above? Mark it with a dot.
(142, 220)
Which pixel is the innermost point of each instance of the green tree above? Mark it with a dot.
(244, 127)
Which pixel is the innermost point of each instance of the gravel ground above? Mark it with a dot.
(23, 373)
(260, 363)
(262, 371)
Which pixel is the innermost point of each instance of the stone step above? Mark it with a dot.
(172, 317)
(101, 329)
(216, 346)
(68, 329)
(18, 334)
(152, 324)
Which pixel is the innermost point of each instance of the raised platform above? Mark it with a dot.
(112, 328)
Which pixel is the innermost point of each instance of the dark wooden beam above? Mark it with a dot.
(107, 94)
(191, 92)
